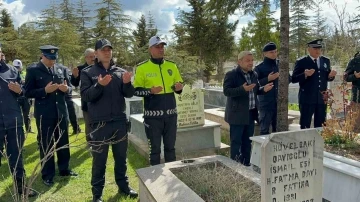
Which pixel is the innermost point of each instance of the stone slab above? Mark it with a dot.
(159, 184)
(292, 166)
(206, 138)
(77, 106)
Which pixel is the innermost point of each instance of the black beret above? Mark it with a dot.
(269, 47)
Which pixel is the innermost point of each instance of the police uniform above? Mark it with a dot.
(268, 101)
(50, 112)
(312, 88)
(71, 109)
(11, 123)
(160, 115)
(24, 102)
(106, 105)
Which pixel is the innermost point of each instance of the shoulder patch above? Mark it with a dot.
(143, 62)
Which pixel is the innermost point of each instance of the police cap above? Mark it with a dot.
(102, 43)
(49, 51)
(315, 44)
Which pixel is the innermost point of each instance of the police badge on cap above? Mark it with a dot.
(315, 44)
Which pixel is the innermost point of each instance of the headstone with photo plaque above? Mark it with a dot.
(292, 167)
(190, 107)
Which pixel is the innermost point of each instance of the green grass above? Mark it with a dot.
(68, 188)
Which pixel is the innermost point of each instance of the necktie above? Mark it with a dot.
(50, 71)
(315, 60)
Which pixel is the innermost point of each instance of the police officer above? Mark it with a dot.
(104, 87)
(313, 72)
(352, 74)
(47, 82)
(268, 72)
(11, 123)
(24, 102)
(156, 80)
(71, 109)
(75, 81)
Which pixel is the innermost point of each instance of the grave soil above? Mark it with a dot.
(215, 182)
(351, 153)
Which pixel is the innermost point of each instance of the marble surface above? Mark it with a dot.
(292, 166)
(158, 183)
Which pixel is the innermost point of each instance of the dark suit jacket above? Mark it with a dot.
(237, 105)
(353, 65)
(47, 105)
(312, 86)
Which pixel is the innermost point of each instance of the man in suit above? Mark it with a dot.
(352, 74)
(241, 86)
(268, 72)
(313, 72)
(75, 81)
(47, 82)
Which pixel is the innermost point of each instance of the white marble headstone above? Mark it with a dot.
(190, 107)
(292, 167)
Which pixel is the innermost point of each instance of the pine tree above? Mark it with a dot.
(300, 31)
(67, 12)
(150, 26)
(5, 19)
(319, 22)
(115, 18)
(140, 34)
(83, 19)
(245, 42)
(263, 29)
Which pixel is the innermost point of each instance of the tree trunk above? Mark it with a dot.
(282, 112)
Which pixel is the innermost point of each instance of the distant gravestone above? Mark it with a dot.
(292, 167)
(190, 107)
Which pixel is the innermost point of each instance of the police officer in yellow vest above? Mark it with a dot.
(157, 80)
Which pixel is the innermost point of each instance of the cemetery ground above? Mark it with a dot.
(70, 188)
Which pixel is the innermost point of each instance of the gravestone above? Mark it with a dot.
(190, 107)
(292, 167)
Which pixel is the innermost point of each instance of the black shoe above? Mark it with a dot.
(31, 193)
(48, 182)
(68, 173)
(129, 192)
(97, 199)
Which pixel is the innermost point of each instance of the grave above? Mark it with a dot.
(134, 105)
(218, 114)
(195, 136)
(160, 183)
(341, 176)
(292, 167)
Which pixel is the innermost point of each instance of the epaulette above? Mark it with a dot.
(143, 62)
(32, 65)
(303, 57)
(170, 61)
(325, 57)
